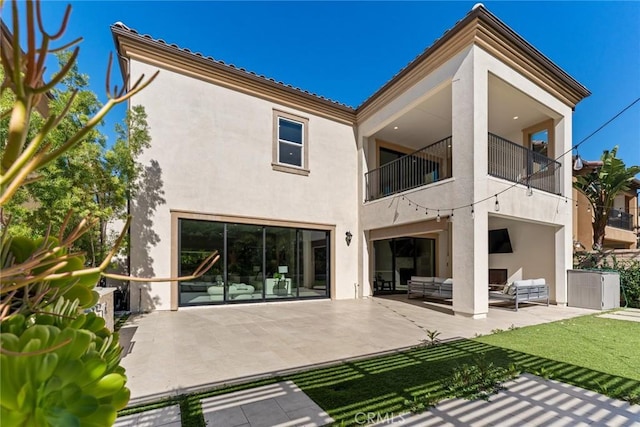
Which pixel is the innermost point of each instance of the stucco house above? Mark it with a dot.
(308, 198)
(622, 225)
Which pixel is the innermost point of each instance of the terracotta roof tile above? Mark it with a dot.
(131, 31)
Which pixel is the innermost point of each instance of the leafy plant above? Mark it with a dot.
(58, 365)
(601, 187)
(478, 380)
(544, 373)
(632, 398)
(420, 404)
(432, 338)
(68, 370)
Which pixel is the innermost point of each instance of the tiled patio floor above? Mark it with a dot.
(163, 417)
(280, 404)
(528, 401)
(192, 349)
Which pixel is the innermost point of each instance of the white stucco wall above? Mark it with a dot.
(212, 153)
(468, 73)
(533, 251)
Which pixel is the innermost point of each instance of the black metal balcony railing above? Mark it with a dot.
(424, 166)
(515, 163)
(620, 219)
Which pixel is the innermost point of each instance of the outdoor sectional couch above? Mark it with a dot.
(520, 291)
(430, 287)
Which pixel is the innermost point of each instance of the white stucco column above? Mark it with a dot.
(470, 258)
(564, 235)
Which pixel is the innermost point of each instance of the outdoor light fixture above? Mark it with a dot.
(497, 205)
(578, 165)
(438, 217)
(347, 237)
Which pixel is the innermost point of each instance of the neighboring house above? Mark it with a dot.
(348, 202)
(622, 226)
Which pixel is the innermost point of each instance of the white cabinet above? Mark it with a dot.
(598, 290)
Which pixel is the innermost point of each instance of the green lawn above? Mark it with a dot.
(597, 354)
(605, 345)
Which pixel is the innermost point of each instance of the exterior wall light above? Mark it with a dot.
(347, 237)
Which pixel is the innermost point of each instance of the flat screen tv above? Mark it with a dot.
(499, 242)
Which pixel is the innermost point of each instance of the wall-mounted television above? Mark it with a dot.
(499, 242)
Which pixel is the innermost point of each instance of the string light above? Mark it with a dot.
(472, 212)
(527, 179)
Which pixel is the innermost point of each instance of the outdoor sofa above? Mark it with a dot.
(430, 287)
(530, 290)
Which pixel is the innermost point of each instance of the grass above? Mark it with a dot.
(593, 353)
(606, 345)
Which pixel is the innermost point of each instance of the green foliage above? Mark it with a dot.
(629, 271)
(79, 382)
(478, 380)
(543, 372)
(601, 187)
(90, 178)
(58, 365)
(432, 338)
(67, 283)
(420, 404)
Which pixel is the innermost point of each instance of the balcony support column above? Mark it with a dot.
(470, 258)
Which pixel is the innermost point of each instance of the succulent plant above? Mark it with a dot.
(60, 367)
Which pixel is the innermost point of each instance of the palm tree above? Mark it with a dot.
(601, 188)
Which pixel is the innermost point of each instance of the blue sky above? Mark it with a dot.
(347, 50)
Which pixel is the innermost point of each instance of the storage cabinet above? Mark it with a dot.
(597, 290)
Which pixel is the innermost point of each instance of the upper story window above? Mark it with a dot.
(540, 138)
(290, 143)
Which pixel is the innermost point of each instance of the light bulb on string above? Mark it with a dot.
(473, 215)
(497, 205)
(438, 217)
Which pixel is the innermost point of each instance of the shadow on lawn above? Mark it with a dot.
(382, 385)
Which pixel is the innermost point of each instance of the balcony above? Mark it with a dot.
(620, 219)
(422, 167)
(515, 163)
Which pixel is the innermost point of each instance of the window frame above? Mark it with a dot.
(547, 125)
(303, 169)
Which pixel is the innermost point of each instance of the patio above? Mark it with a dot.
(171, 353)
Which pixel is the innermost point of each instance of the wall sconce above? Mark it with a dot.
(347, 237)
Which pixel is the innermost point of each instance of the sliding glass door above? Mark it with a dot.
(257, 263)
(396, 260)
